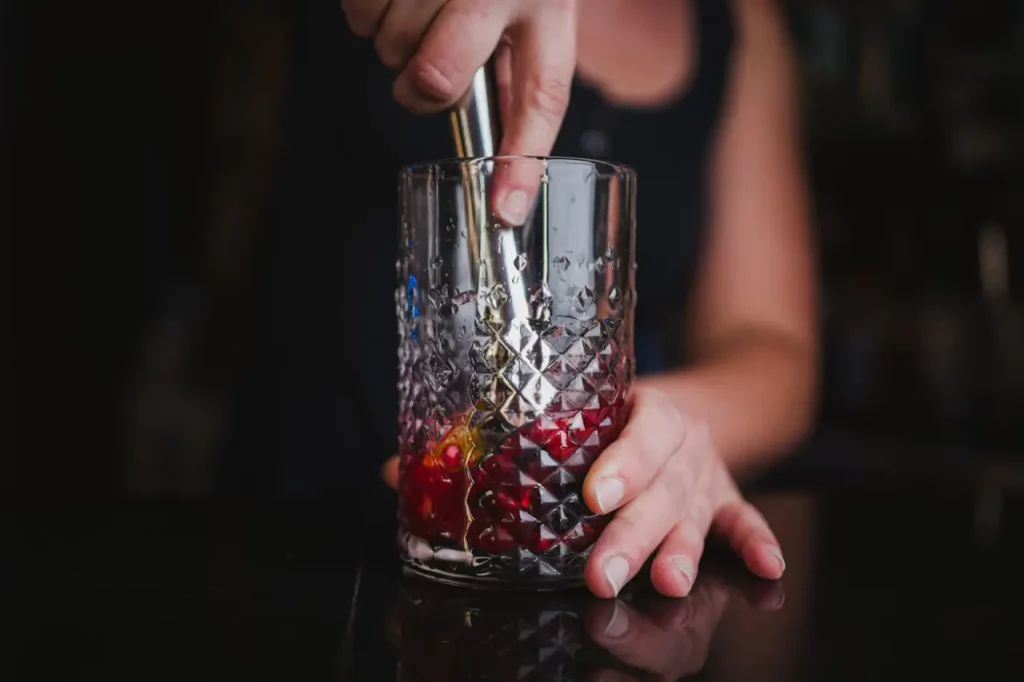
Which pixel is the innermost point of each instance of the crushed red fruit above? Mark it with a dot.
(460, 491)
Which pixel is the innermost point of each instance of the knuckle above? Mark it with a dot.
(696, 434)
(691, 535)
(548, 95)
(670, 495)
(616, 542)
(432, 77)
(681, 479)
(647, 448)
(702, 511)
(627, 534)
(674, 426)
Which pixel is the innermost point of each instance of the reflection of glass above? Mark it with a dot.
(515, 358)
(455, 635)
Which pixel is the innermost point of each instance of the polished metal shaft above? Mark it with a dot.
(475, 122)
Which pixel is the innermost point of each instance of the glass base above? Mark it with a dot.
(438, 574)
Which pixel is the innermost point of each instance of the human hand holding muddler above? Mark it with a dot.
(436, 46)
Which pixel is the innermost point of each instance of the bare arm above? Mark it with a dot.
(753, 323)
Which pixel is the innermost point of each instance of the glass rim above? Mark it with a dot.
(456, 162)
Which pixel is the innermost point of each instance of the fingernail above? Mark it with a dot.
(618, 623)
(515, 207)
(777, 553)
(616, 570)
(609, 493)
(684, 566)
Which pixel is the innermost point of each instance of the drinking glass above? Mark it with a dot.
(515, 362)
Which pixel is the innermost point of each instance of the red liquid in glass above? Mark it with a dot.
(524, 491)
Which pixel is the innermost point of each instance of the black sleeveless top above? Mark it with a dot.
(323, 392)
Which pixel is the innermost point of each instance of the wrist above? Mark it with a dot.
(757, 397)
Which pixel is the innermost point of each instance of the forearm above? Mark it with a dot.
(756, 395)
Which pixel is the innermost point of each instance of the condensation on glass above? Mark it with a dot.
(515, 360)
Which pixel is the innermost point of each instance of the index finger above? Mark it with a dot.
(543, 60)
(542, 65)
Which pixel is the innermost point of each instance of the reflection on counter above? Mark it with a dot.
(450, 634)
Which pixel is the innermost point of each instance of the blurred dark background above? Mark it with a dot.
(146, 150)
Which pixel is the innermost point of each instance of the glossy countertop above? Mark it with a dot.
(885, 580)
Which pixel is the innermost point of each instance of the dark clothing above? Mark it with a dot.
(330, 335)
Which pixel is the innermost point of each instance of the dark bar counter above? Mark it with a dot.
(888, 578)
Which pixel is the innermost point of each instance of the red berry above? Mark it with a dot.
(452, 456)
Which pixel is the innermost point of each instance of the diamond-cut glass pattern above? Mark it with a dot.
(514, 369)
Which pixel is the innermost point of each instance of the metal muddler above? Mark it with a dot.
(476, 126)
(476, 131)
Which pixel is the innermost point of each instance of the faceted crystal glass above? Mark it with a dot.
(515, 363)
